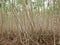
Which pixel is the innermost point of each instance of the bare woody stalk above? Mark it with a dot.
(58, 21)
(54, 22)
(24, 13)
(16, 20)
(30, 16)
(25, 19)
(2, 3)
(47, 18)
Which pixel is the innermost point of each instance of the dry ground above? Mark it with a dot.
(26, 38)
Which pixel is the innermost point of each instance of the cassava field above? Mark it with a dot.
(29, 22)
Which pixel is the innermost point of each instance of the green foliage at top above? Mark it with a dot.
(39, 4)
(6, 5)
